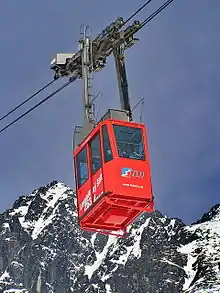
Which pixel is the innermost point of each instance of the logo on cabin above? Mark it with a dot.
(128, 173)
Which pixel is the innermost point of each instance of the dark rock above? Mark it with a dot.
(42, 249)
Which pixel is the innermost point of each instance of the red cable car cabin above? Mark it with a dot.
(113, 180)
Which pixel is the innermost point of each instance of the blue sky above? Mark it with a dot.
(174, 66)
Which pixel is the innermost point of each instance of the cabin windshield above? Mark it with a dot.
(129, 142)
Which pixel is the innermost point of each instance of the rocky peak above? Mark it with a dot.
(42, 249)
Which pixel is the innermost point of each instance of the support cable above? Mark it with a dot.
(137, 104)
(147, 20)
(137, 11)
(38, 104)
(28, 99)
(155, 13)
(127, 20)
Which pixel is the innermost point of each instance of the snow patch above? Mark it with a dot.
(209, 240)
(213, 226)
(52, 196)
(137, 238)
(41, 223)
(17, 264)
(92, 240)
(171, 263)
(89, 270)
(214, 289)
(163, 219)
(134, 249)
(5, 226)
(15, 291)
(108, 288)
(4, 276)
(188, 250)
(21, 212)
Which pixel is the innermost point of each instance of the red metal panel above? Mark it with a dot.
(128, 177)
(89, 193)
(93, 188)
(97, 189)
(84, 198)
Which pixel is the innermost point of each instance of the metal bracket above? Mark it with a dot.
(143, 209)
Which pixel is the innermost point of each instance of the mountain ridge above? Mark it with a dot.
(44, 250)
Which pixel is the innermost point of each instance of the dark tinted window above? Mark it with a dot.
(129, 142)
(82, 167)
(96, 154)
(106, 144)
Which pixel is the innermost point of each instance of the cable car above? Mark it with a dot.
(111, 158)
(112, 174)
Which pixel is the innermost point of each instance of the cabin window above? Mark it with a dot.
(82, 167)
(106, 144)
(96, 154)
(129, 142)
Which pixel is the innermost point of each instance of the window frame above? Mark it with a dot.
(118, 141)
(97, 134)
(78, 171)
(105, 126)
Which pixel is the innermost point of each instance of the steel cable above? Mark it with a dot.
(38, 104)
(28, 99)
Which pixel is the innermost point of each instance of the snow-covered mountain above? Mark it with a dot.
(43, 250)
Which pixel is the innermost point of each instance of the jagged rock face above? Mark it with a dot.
(43, 250)
(202, 247)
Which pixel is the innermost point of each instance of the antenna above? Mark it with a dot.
(141, 116)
